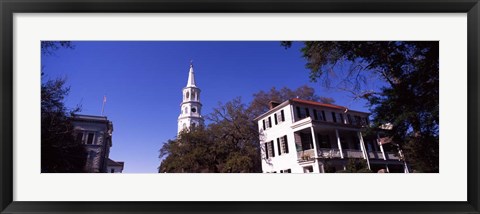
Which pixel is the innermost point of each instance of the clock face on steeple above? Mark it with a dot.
(194, 110)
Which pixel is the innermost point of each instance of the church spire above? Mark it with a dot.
(191, 76)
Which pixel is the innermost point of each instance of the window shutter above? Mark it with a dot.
(273, 148)
(334, 117)
(266, 150)
(283, 115)
(286, 143)
(323, 114)
(263, 124)
(307, 112)
(315, 114)
(279, 146)
(269, 122)
(275, 116)
(299, 114)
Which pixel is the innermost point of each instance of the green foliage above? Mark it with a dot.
(49, 47)
(410, 101)
(59, 150)
(356, 166)
(261, 100)
(229, 144)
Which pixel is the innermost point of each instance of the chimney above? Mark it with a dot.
(273, 104)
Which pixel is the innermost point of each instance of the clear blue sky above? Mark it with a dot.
(143, 84)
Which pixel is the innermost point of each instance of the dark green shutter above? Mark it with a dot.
(266, 150)
(273, 149)
(286, 143)
(283, 115)
(279, 147)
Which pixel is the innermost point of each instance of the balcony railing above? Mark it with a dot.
(306, 155)
(329, 153)
(353, 153)
(375, 155)
(392, 156)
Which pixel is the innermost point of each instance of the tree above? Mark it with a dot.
(59, 150)
(49, 47)
(228, 144)
(410, 99)
(356, 166)
(261, 100)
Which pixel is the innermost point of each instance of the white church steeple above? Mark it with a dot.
(190, 108)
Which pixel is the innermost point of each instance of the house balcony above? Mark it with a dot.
(326, 142)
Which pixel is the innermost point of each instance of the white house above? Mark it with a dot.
(301, 136)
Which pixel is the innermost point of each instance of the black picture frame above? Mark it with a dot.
(9, 7)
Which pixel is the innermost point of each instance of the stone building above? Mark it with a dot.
(95, 132)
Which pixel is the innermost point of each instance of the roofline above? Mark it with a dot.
(307, 102)
(281, 105)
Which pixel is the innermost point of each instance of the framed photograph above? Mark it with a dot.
(134, 53)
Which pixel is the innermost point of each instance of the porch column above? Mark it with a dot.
(314, 142)
(381, 148)
(339, 143)
(364, 150)
(317, 165)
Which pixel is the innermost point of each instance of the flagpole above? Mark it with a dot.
(103, 105)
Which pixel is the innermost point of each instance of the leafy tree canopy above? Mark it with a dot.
(229, 144)
(59, 150)
(261, 99)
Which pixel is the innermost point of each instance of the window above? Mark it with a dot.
(334, 118)
(349, 117)
(299, 113)
(263, 121)
(276, 119)
(365, 121)
(323, 116)
(193, 95)
(279, 117)
(268, 122)
(286, 171)
(112, 170)
(79, 138)
(315, 114)
(357, 120)
(90, 138)
(302, 112)
(324, 141)
(282, 145)
(188, 94)
(307, 142)
(308, 169)
(341, 119)
(269, 150)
